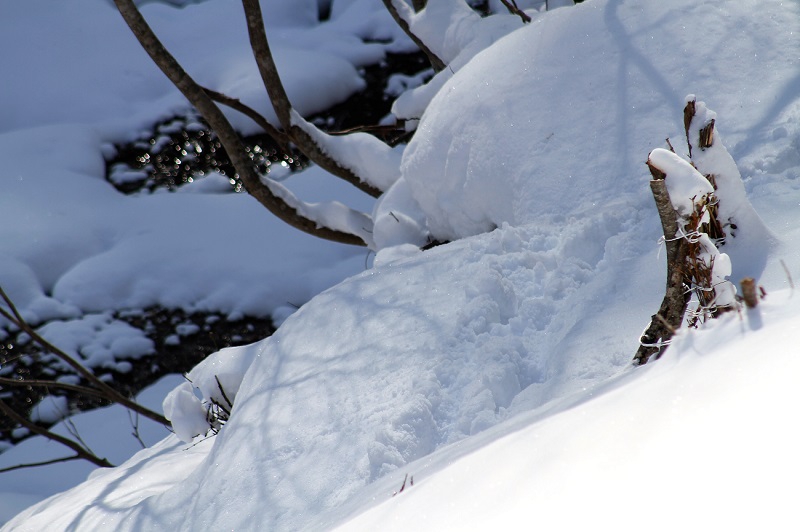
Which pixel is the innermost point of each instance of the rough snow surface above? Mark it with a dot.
(704, 429)
(503, 354)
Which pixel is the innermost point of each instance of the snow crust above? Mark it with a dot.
(495, 369)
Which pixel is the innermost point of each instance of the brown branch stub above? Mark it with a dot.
(656, 172)
(670, 314)
(707, 135)
(515, 10)
(688, 115)
(749, 292)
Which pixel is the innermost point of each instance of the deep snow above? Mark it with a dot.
(495, 369)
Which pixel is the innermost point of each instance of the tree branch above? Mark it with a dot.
(83, 390)
(437, 64)
(282, 106)
(669, 317)
(110, 393)
(278, 136)
(42, 463)
(515, 10)
(222, 127)
(79, 451)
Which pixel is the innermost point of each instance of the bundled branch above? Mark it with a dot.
(669, 317)
(691, 238)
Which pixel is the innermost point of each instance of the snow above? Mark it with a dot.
(362, 153)
(494, 369)
(686, 186)
(699, 441)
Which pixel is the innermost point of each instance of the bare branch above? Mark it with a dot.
(282, 106)
(110, 393)
(436, 63)
(83, 390)
(42, 463)
(515, 10)
(33, 427)
(222, 127)
(254, 115)
(669, 317)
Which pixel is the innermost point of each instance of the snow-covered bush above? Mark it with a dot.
(203, 403)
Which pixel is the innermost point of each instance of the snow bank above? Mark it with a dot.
(120, 90)
(173, 250)
(577, 116)
(698, 440)
(543, 137)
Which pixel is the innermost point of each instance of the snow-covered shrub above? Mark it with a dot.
(203, 404)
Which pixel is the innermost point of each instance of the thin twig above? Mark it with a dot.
(73, 430)
(278, 136)
(788, 274)
(437, 64)
(83, 390)
(33, 427)
(222, 391)
(42, 463)
(110, 393)
(515, 10)
(133, 417)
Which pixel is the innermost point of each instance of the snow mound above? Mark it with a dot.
(576, 118)
(532, 155)
(705, 429)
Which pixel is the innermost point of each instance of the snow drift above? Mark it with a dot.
(532, 155)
